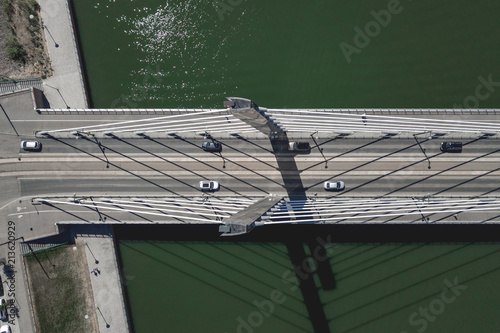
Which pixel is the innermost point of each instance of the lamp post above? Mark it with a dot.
(55, 44)
(320, 149)
(57, 89)
(422, 149)
(101, 148)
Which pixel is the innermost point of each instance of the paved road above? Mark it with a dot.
(331, 148)
(374, 167)
(357, 184)
(172, 167)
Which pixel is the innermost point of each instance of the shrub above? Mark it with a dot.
(34, 4)
(17, 53)
(8, 7)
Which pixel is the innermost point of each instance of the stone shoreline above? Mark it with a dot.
(66, 87)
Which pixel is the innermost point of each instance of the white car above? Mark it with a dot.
(31, 145)
(209, 185)
(3, 309)
(5, 329)
(334, 186)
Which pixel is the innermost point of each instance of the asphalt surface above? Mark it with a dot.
(374, 167)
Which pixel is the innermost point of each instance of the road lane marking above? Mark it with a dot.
(306, 174)
(26, 158)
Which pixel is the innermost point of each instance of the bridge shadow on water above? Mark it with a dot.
(335, 233)
(307, 244)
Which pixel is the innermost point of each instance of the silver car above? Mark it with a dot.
(31, 145)
(334, 185)
(209, 185)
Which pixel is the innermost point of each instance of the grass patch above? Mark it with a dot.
(60, 288)
(25, 44)
(15, 51)
(8, 7)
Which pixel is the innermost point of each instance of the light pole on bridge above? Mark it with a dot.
(319, 148)
(422, 149)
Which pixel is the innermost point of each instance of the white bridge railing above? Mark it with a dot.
(345, 121)
(375, 210)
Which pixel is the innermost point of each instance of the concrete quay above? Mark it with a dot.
(66, 87)
(109, 300)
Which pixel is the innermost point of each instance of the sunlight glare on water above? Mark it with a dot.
(171, 54)
(172, 38)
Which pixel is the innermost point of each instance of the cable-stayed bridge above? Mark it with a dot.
(243, 119)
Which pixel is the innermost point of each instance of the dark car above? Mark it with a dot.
(211, 146)
(299, 146)
(451, 146)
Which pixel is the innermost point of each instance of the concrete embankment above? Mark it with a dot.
(66, 88)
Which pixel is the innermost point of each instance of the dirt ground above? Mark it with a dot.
(61, 291)
(21, 23)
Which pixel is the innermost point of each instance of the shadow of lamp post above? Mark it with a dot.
(107, 325)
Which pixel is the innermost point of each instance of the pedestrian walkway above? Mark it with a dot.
(106, 285)
(65, 88)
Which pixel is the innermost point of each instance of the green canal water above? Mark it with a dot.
(420, 53)
(287, 53)
(209, 285)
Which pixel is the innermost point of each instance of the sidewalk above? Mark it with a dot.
(66, 87)
(99, 246)
(106, 287)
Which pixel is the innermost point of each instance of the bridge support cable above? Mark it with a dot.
(237, 217)
(207, 121)
(203, 210)
(373, 211)
(295, 120)
(359, 205)
(242, 115)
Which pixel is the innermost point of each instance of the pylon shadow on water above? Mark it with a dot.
(298, 257)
